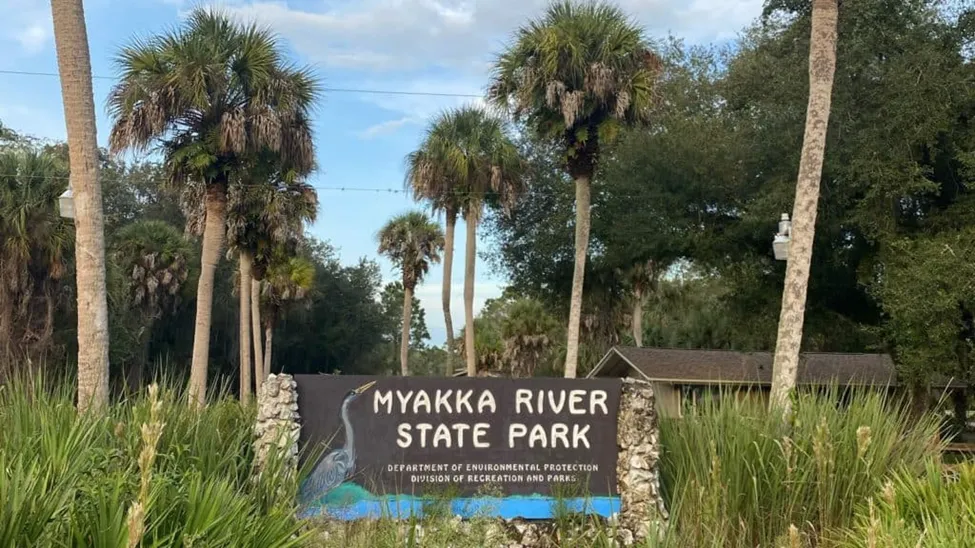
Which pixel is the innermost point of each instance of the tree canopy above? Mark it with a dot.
(704, 181)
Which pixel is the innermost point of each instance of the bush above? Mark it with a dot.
(148, 472)
(936, 509)
(736, 475)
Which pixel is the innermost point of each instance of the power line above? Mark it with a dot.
(389, 190)
(321, 188)
(326, 89)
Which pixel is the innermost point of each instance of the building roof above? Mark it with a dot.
(681, 366)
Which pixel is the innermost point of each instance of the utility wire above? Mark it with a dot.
(327, 89)
(322, 188)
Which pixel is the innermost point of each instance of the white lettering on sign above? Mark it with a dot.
(554, 437)
(537, 402)
(454, 402)
(444, 435)
(443, 402)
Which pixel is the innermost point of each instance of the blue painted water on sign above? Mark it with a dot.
(351, 502)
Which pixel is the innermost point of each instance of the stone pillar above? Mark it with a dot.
(642, 511)
(278, 423)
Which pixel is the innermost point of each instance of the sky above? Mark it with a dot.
(435, 54)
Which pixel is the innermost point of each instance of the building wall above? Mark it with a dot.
(668, 399)
(666, 396)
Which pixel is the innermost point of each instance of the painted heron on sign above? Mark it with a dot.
(338, 465)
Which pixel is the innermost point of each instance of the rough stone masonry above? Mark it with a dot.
(278, 423)
(642, 511)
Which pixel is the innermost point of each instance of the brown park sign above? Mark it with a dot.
(507, 447)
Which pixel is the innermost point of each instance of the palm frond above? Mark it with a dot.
(579, 67)
(465, 158)
(412, 242)
(214, 94)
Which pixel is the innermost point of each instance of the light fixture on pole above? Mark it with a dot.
(66, 203)
(780, 243)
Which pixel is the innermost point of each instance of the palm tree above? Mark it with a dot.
(287, 211)
(74, 66)
(576, 76)
(213, 95)
(529, 333)
(265, 212)
(444, 195)
(34, 242)
(287, 281)
(641, 280)
(488, 346)
(412, 242)
(465, 159)
(822, 65)
(155, 257)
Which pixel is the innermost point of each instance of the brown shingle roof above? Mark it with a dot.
(726, 366)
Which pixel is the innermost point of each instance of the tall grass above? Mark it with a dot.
(935, 510)
(736, 475)
(151, 471)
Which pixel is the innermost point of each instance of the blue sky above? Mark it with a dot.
(416, 46)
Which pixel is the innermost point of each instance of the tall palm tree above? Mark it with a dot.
(266, 211)
(74, 66)
(465, 159)
(34, 243)
(212, 95)
(412, 242)
(822, 65)
(287, 212)
(287, 281)
(576, 76)
(444, 195)
(155, 257)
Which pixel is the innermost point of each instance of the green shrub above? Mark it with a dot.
(936, 509)
(148, 472)
(736, 475)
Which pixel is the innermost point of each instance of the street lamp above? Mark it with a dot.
(66, 204)
(780, 243)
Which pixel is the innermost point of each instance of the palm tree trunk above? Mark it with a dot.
(268, 334)
(578, 275)
(213, 235)
(246, 263)
(260, 371)
(638, 301)
(133, 376)
(448, 261)
(822, 65)
(6, 333)
(74, 65)
(404, 343)
(49, 306)
(470, 255)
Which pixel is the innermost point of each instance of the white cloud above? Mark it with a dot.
(407, 35)
(386, 127)
(33, 38)
(28, 24)
(445, 46)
